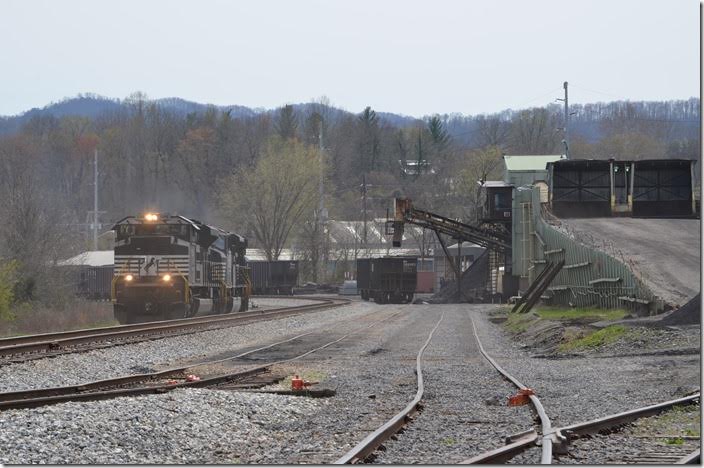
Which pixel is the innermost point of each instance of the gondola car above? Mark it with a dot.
(170, 266)
(388, 279)
(276, 277)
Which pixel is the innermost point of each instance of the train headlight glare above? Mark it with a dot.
(150, 217)
(129, 278)
(167, 277)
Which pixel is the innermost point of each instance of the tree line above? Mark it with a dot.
(262, 174)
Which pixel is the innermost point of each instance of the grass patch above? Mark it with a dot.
(558, 313)
(32, 318)
(594, 340)
(501, 310)
(518, 323)
(449, 441)
(675, 441)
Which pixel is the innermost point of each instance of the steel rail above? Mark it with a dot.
(91, 390)
(607, 422)
(370, 443)
(53, 336)
(560, 436)
(693, 458)
(52, 341)
(514, 446)
(547, 433)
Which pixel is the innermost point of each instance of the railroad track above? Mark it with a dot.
(167, 380)
(553, 441)
(650, 448)
(366, 448)
(561, 438)
(28, 347)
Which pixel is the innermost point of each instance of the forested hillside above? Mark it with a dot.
(208, 162)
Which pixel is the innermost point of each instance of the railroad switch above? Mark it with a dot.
(521, 398)
(298, 383)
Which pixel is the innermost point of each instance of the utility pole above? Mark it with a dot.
(95, 200)
(567, 124)
(320, 187)
(566, 140)
(321, 208)
(364, 210)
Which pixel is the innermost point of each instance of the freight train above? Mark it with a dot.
(388, 279)
(170, 266)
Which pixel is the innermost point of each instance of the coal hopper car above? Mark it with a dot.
(388, 279)
(170, 266)
(277, 277)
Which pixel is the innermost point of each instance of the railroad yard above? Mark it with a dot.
(337, 233)
(364, 356)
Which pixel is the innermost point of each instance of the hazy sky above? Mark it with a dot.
(410, 57)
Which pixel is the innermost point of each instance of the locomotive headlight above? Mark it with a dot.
(150, 217)
(129, 278)
(166, 277)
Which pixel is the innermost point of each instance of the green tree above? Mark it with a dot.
(369, 140)
(286, 123)
(438, 134)
(270, 199)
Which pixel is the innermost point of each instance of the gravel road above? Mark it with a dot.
(665, 253)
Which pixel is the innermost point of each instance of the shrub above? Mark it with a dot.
(8, 280)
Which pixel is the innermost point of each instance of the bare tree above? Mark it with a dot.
(535, 131)
(270, 199)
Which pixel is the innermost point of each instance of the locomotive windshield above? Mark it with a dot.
(178, 230)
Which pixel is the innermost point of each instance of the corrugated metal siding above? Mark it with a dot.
(589, 277)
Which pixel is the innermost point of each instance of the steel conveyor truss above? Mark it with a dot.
(405, 213)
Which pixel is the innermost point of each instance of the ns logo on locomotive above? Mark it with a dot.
(169, 266)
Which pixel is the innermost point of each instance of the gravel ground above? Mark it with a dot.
(465, 410)
(577, 389)
(673, 434)
(371, 371)
(148, 356)
(184, 426)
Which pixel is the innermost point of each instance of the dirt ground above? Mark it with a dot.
(665, 253)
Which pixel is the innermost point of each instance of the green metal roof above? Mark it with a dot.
(530, 162)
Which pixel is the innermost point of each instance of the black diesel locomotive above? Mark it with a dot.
(169, 266)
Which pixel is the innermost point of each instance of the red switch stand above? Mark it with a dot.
(521, 398)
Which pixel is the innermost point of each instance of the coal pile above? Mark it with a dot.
(688, 314)
(473, 284)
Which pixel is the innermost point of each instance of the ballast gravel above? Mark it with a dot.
(372, 372)
(193, 426)
(577, 389)
(158, 354)
(464, 405)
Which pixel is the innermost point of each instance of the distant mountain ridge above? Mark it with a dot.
(587, 121)
(93, 105)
